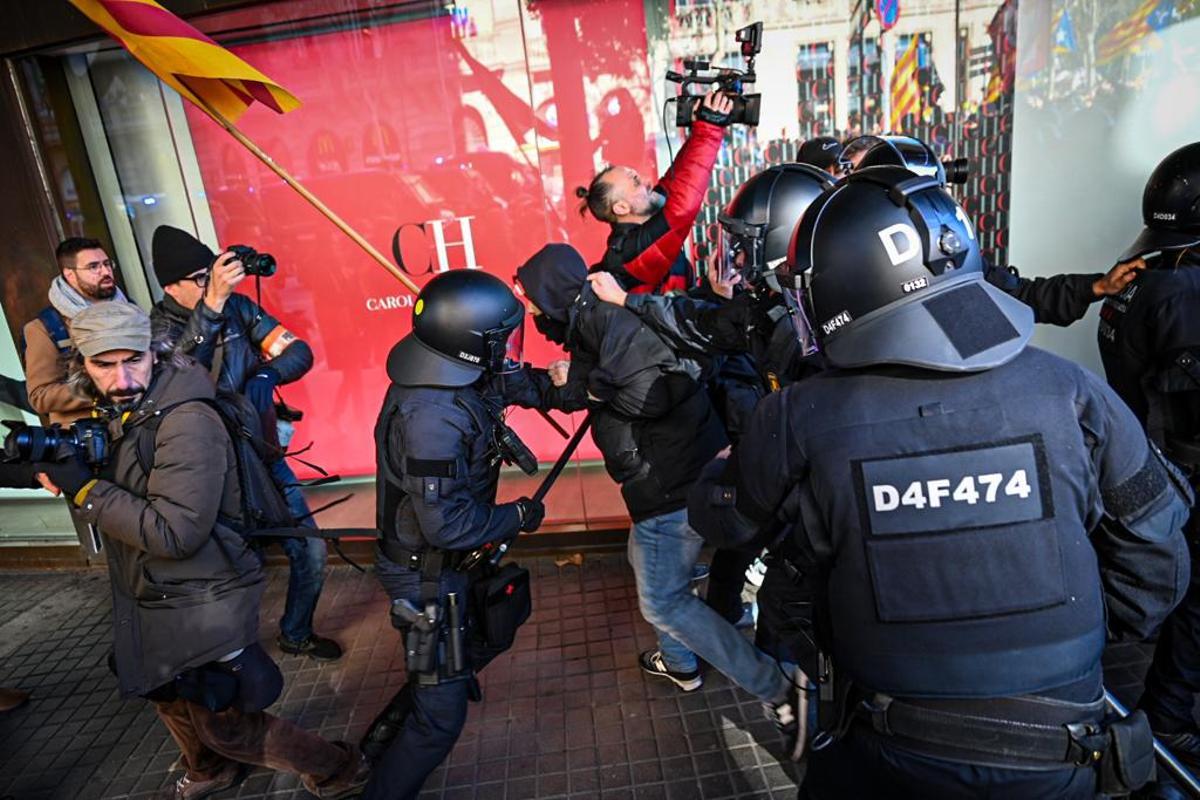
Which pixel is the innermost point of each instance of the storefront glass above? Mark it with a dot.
(453, 137)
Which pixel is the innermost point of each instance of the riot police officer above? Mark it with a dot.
(439, 441)
(962, 607)
(1149, 339)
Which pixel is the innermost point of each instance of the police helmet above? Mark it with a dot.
(904, 151)
(757, 224)
(890, 273)
(1170, 205)
(465, 322)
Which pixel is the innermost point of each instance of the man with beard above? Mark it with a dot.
(186, 588)
(86, 275)
(649, 222)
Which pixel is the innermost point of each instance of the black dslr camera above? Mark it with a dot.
(746, 107)
(253, 262)
(32, 443)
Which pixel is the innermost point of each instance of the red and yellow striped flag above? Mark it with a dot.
(185, 59)
(1126, 34)
(906, 89)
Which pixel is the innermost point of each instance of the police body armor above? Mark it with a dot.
(394, 516)
(919, 481)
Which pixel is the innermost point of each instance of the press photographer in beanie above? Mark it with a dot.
(186, 589)
(249, 353)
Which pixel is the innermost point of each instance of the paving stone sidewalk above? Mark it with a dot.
(566, 713)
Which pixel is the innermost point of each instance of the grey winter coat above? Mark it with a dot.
(186, 588)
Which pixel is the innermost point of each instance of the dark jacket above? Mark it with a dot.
(185, 586)
(1149, 339)
(648, 256)
(745, 324)
(654, 424)
(437, 462)
(242, 338)
(958, 536)
(1057, 300)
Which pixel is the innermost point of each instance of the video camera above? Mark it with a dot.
(746, 107)
(254, 263)
(32, 443)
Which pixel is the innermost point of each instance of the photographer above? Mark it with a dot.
(650, 225)
(186, 589)
(250, 353)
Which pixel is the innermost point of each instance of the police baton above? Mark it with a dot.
(1181, 774)
(494, 552)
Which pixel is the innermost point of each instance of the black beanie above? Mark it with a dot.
(177, 254)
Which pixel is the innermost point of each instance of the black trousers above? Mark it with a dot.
(1174, 677)
(865, 765)
(726, 578)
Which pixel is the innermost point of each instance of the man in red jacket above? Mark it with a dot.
(650, 225)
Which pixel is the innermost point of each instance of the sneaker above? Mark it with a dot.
(348, 782)
(755, 573)
(653, 664)
(187, 789)
(318, 648)
(700, 571)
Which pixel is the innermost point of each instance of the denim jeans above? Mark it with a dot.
(306, 559)
(662, 551)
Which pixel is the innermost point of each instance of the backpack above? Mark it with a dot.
(263, 504)
(55, 326)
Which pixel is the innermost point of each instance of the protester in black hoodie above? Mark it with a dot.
(656, 428)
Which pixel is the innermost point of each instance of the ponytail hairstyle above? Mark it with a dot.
(597, 197)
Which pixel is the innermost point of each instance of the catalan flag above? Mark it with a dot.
(185, 59)
(906, 89)
(1128, 34)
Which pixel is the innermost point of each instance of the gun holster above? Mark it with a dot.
(1128, 761)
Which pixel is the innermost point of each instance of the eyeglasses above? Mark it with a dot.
(95, 266)
(200, 279)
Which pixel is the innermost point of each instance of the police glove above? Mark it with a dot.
(531, 512)
(69, 474)
(261, 388)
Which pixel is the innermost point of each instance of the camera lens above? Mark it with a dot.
(958, 170)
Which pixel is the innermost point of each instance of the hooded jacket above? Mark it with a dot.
(186, 588)
(655, 424)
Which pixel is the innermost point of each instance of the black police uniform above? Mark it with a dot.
(1149, 340)
(949, 528)
(438, 466)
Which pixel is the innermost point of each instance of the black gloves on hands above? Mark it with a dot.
(531, 512)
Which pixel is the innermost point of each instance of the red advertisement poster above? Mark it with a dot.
(449, 143)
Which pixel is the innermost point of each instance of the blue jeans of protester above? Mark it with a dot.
(662, 551)
(306, 560)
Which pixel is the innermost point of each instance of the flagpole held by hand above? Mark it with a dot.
(303, 191)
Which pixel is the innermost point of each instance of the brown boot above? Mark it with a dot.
(187, 789)
(347, 782)
(12, 699)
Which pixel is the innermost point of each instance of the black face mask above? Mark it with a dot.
(552, 329)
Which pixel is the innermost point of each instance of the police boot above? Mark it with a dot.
(387, 725)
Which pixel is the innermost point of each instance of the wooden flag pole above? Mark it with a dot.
(313, 200)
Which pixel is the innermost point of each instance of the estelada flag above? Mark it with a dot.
(906, 89)
(185, 59)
